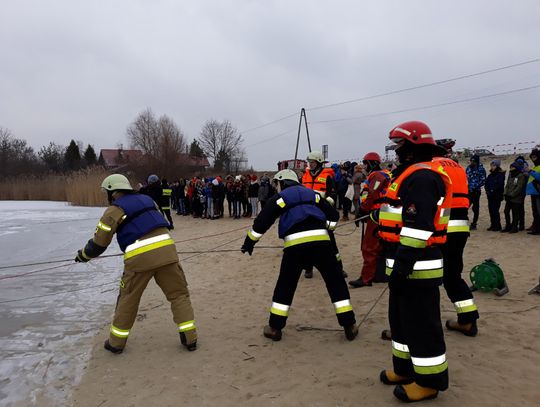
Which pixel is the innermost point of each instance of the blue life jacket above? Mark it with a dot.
(141, 218)
(300, 204)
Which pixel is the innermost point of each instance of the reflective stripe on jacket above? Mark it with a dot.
(390, 216)
(317, 183)
(299, 204)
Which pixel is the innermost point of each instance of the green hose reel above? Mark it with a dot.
(488, 276)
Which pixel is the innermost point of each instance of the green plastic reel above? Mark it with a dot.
(487, 276)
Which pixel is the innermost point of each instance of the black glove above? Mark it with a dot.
(248, 246)
(80, 258)
(402, 269)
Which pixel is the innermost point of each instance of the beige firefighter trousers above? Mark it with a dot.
(170, 278)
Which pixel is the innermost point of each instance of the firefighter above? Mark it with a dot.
(457, 234)
(321, 180)
(371, 199)
(165, 202)
(149, 251)
(413, 221)
(304, 224)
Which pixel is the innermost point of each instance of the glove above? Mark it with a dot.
(248, 246)
(402, 269)
(80, 258)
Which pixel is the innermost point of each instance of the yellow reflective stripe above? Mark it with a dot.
(143, 246)
(305, 237)
(423, 269)
(120, 333)
(458, 225)
(279, 309)
(281, 203)
(104, 227)
(317, 198)
(426, 274)
(343, 306)
(416, 233)
(412, 242)
(338, 257)
(186, 326)
(85, 255)
(443, 220)
(167, 192)
(331, 225)
(465, 306)
(388, 212)
(254, 235)
(435, 365)
(165, 208)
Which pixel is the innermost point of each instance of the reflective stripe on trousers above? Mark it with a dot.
(305, 237)
(458, 225)
(433, 365)
(465, 306)
(423, 269)
(120, 333)
(343, 306)
(186, 326)
(142, 246)
(280, 309)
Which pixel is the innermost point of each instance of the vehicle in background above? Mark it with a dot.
(300, 165)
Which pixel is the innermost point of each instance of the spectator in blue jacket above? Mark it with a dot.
(533, 189)
(476, 176)
(495, 194)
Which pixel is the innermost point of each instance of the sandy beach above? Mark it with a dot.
(235, 365)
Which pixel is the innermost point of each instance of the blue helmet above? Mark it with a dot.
(152, 179)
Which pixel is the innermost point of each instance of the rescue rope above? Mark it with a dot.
(373, 306)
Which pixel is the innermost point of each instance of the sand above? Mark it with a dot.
(235, 365)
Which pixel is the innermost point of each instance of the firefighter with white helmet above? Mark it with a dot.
(149, 252)
(321, 179)
(305, 219)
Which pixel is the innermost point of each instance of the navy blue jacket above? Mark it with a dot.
(495, 184)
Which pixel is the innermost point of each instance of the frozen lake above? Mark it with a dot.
(47, 317)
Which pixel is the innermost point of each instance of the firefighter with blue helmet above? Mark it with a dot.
(149, 252)
(305, 219)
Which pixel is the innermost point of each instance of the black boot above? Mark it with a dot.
(360, 283)
(189, 346)
(466, 329)
(308, 274)
(351, 331)
(112, 349)
(272, 333)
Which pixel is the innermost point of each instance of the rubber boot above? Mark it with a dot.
(190, 342)
(411, 393)
(359, 283)
(386, 335)
(308, 274)
(469, 329)
(272, 333)
(351, 331)
(389, 377)
(112, 349)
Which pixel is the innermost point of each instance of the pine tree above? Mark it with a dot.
(90, 157)
(72, 157)
(195, 149)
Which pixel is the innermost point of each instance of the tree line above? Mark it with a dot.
(160, 139)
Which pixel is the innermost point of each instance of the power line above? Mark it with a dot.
(457, 78)
(508, 92)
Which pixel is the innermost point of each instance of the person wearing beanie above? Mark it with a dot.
(476, 176)
(495, 194)
(533, 190)
(514, 196)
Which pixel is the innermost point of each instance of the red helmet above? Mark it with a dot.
(372, 157)
(415, 132)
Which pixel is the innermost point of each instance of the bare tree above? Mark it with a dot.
(143, 133)
(220, 141)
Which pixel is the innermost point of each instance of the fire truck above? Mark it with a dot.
(292, 164)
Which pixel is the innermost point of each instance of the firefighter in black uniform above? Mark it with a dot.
(413, 223)
(305, 219)
(155, 191)
(165, 202)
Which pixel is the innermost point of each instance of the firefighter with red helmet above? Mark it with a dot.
(321, 179)
(413, 222)
(371, 199)
(457, 235)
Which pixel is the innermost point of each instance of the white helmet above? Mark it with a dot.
(316, 156)
(286, 175)
(116, 182)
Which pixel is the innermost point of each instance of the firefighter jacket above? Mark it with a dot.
(374, 190)
(166, 199)
(141, 233)
(459, 215)
(305, 217)
(323, 182)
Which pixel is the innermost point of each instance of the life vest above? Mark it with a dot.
(377, 202)
(317, 183)
(166, 199)
(459, 216)
(299, 203)
(141, 217)
(390, 215)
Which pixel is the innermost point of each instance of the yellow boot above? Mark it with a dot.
(389, 377)
(412, 392)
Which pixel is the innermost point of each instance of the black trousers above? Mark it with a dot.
(295, 259)
(494, 206)
(535, 205)
(457, 289)
(417, 334)
(309, 267)
(474, 198)
(511, 214)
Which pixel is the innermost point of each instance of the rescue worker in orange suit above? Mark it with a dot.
(458, 232)
(321, 180)
(305, 219)
(413, 223)
(371, 199)
(149, 251)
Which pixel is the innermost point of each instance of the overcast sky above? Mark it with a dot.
(85, 69)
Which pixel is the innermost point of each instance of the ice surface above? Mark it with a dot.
(45, 341)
